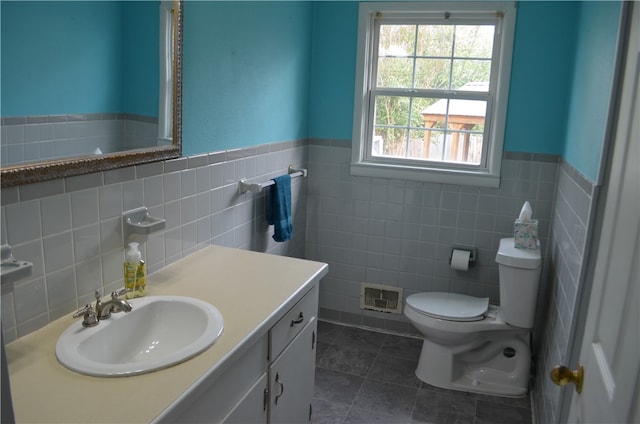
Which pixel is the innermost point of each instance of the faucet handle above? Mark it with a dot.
(86, 308)
(90, 316)
(117, 293)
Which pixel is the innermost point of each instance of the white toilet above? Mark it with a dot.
(472, 346)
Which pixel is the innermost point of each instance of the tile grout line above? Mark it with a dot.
(388, 342)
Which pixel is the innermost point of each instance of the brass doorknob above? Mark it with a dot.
(562, 376)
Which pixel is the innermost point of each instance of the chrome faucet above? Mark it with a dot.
(103, 310)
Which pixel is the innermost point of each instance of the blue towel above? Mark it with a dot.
(279, 208)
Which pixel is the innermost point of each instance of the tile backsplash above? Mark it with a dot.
(71, 229)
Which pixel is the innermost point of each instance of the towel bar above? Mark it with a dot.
(244, 186)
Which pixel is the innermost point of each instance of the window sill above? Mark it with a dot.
(441, 176)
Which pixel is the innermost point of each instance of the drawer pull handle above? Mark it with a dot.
(281, 387)
(297, 321)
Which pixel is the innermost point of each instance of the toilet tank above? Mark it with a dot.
(519, 271)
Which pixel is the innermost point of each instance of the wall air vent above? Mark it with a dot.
(376, 297)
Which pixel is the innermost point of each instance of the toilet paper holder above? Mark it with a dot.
(473, 253)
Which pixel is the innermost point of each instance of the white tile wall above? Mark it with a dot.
(374, 230)
(401, 233)
(75, 241)
(574, 202)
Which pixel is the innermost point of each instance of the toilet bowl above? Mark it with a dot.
(473, 346)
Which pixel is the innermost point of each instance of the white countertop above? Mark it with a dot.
(249, 288)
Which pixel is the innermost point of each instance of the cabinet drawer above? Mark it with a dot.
(293, 322)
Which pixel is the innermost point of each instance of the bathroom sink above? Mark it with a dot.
(159, 332)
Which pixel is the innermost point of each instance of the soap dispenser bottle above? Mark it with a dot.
(134, 272)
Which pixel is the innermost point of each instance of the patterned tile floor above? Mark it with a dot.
(368, 377)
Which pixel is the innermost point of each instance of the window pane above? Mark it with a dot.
(475, 149)
(433, 73)
(433, 122)
(434, 146)
(397, 40)
(435, 40)
(474, 41)
(392, 110)
(418, 145)
(466, 114)
(389, 142)
(419, 105)
(463, 147)
(435, 114)
(466, 72)
(394, 72)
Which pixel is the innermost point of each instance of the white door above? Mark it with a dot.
(610, 350)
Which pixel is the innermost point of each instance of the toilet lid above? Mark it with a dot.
(449, 306)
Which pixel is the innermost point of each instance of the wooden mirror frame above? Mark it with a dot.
(47, 170)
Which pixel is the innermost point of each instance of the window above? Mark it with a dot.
(431, 91)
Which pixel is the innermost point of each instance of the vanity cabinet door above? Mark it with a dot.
(214, 399)
(292, 377)
(252, 409)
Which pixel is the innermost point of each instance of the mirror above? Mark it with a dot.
(88, 86)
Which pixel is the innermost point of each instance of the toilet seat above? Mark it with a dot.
(449, 306)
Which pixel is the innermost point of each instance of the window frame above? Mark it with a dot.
(487, 174)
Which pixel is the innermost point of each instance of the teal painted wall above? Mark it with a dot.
(38, 36)
(592, 83)
(540, 82)
(335, 40)
(261, 72)
(541, 73)
(246, 73)
(215, 104)
(142, 57)
(88, 38)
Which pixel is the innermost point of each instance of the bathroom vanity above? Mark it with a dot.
(261, 369)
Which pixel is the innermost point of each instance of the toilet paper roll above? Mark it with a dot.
(460, 260)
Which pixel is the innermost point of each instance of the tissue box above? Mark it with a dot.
(525, 234)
